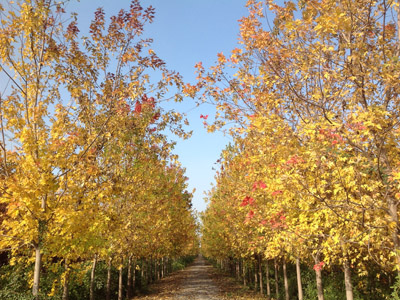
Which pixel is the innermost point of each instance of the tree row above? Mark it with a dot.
(87, 172)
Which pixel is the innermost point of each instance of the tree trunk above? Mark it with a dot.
(318, 277)
(120, 282)
(36, 274)
(108, 286)
(285, 280)
(395, 219)
(260, 275)
(276, 279)
(244, 274)
(142, 273)
(267, 279)
(91, 291)
(134, 277)
(150, 269)
(347, 280)
(65, 294)
(299, 285)
(129, 279)
(255, 275)
(162, 267)
(157, 269)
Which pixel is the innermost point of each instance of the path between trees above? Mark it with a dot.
(199, 281)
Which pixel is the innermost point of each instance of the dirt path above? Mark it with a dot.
(198, 284)
(199, 281)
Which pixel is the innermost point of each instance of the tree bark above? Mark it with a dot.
(120, 282)
(318, 276)
(142, 273)
(129, 279)
(347, 280)
(36, 273)
(108, 286)
(267, 279)
(299, 285)
(162, 267)
(65, 294)
(38, 254)
(285, 280)
(134, 277)
(276, 279)
(91, 290)
(395, 219)
(260, 275)
(157, 269)
(255, 275)
(244, 274)
(237, 269)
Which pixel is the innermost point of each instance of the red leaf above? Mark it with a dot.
(138, 107)
(278, 192)
(250, 215)
(318, 267)
(247, 200)
(156, 116)
(258, 184)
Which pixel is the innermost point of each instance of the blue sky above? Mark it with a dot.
(186, 32)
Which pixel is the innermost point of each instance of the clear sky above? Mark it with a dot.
(186, 32)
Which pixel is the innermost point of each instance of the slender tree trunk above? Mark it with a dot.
(395, 219)
(285, 280)
(267, 279)
(108, 285)
(299, 285)
(36, 273)
(255, 275)
(347, 280)
(129, 279)
(151, 265)
(157, 268)
(237, 269)
(318, 276)
(260, 275)
(244, 274)
(120, 282)
(134, 277)
(91, 291)
(65, 294)
(162, 267)
(148, 271)
(38, 254)
(276, 279)
(142, 273)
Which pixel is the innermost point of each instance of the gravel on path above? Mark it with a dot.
(199, 281)
(198, 284)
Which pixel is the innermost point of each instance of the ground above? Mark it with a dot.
(199, 281)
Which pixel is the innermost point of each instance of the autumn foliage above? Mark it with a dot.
(312, 175)
(86, 172)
